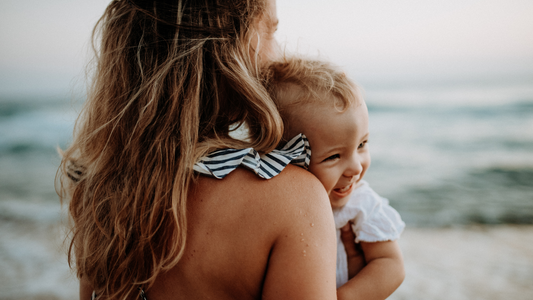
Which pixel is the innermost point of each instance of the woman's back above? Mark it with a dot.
(241, 225)
(172, 79)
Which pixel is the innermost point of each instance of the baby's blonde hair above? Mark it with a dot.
(295, 81)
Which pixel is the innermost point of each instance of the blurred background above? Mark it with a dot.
(449, 86)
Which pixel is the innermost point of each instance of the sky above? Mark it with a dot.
(45, 44)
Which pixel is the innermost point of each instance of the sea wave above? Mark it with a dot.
(492, 195)
(30, 128)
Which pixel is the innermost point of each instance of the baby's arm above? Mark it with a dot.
(354, 254)
(382, 275)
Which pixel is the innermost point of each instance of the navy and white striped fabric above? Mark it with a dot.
(221, 162)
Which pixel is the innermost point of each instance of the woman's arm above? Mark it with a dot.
(382, 275)
(302, 259)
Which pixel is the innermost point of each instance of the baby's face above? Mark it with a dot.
(339, 150)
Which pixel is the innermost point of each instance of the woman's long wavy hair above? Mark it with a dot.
(170, 79)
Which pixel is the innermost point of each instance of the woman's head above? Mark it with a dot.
(212, 49)
(240, 23)
(170, 78)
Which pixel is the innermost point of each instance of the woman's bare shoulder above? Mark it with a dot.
(294, 186)
(290, 178)
(293, 191)
(294, 211)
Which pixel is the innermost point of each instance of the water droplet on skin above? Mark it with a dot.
(312, 224)
(303, 252)
(302, 240)
(302, 234)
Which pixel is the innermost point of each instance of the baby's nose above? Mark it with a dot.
(354, 169)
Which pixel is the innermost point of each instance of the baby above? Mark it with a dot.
(316, 99)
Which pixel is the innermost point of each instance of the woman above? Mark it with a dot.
(172, 78)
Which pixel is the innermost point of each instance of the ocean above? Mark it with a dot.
(445, 155)
(454, 154)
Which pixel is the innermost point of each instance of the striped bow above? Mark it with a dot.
(221, 162)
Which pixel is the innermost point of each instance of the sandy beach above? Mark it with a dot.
(467, 263)
(441, 263)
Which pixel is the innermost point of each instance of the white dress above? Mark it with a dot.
(374, 220)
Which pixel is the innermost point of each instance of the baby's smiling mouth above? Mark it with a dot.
(344, 191)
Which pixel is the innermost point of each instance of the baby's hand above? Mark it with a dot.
(356, 257)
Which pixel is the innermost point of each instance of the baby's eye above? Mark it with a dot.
(333, 157)
(362, 145)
